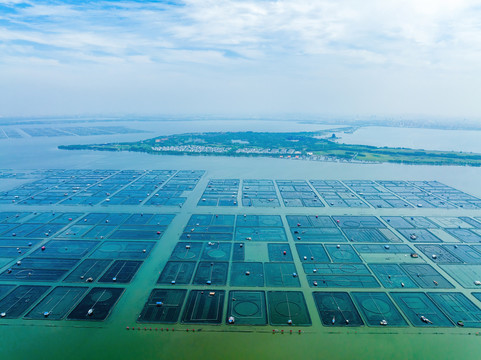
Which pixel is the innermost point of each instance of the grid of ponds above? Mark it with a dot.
(64, 256)
(298, 193)
(376, 195)
(220, 192)
(70, 131)
(241, 268)
(55, 186)
(9, 133)
(245, 264)
(449, 194)
(415, 195)
(167, 187)
(23, 174)
(259, 193)
(314, 228)
(176, 190)
(140, 189)
(336, 194)
(241, 260)
(106, 187)
(398, 193)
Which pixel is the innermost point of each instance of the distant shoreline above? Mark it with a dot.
(411, 122)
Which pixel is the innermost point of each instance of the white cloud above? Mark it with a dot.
(376, 30)
(312, 45)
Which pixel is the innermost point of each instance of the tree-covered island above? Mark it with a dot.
(319, 146)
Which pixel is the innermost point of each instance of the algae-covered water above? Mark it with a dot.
(46, 339)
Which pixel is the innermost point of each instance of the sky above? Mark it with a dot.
(240, 57)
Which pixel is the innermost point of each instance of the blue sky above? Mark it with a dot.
(240, 57)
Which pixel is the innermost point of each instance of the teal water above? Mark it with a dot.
(23, 339)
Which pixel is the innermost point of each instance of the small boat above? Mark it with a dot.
(426, 320)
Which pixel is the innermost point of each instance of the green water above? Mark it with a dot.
(29, 339)
(111, 342)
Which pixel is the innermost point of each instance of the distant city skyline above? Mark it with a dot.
(240, 57)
